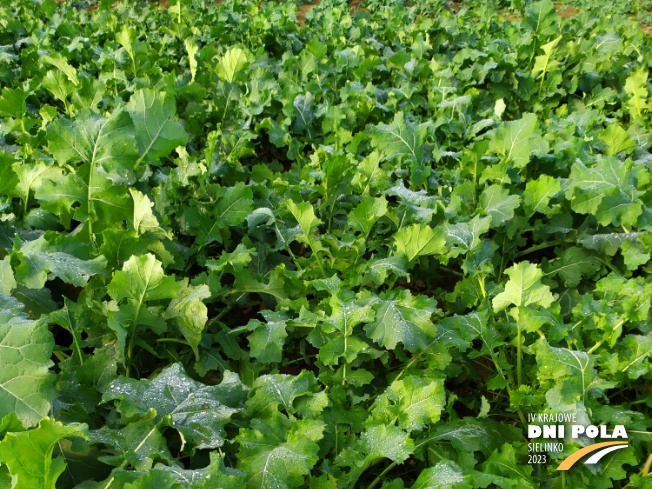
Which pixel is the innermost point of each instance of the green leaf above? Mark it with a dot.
(444, 475)
(573, 370)
(504, 463)
(518, 140)
(199, 412)
(339, 326)
(271, 392)
(402, 318)
(464, 237)
(304, 214)
(377, 268)
(108, 145)
(573, 265)
(29, 454)
(189, 313)
(474, 435)
(365, 215)
(419, 403)
(40, 261)
(400, 138)
(267, 339)
(138, 443)
(498, 204)
(233, 206)
(277, 454)
(12, 102)
(523, 288)
(420, 240)
(157, 133)
(607, 190)
(387, 442)
(215, 475)
(25, 350)
(58, 61)
(538, 193)
(633, 358)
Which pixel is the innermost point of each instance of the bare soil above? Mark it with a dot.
(303, 10)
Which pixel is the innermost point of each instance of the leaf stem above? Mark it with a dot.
(173, 340)
(543, 246)
(519, 356)
(377, 479)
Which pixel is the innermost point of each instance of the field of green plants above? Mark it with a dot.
(358, 249)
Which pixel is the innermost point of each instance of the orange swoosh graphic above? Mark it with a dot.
(571, 459)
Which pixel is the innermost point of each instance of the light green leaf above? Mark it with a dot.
(338, 328)
(232, 65)
(7, 281)
(58, 61)
(635, 254)
(188, 311)
(142, 279)
(607, 190)
(523, 288)
(57, 83)
(25, 350)
(191, 49)
(420, 240)
(305, 216)
(499, 108)
(636, 87)
(617, 140)
(144, 219)
(29, 454)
